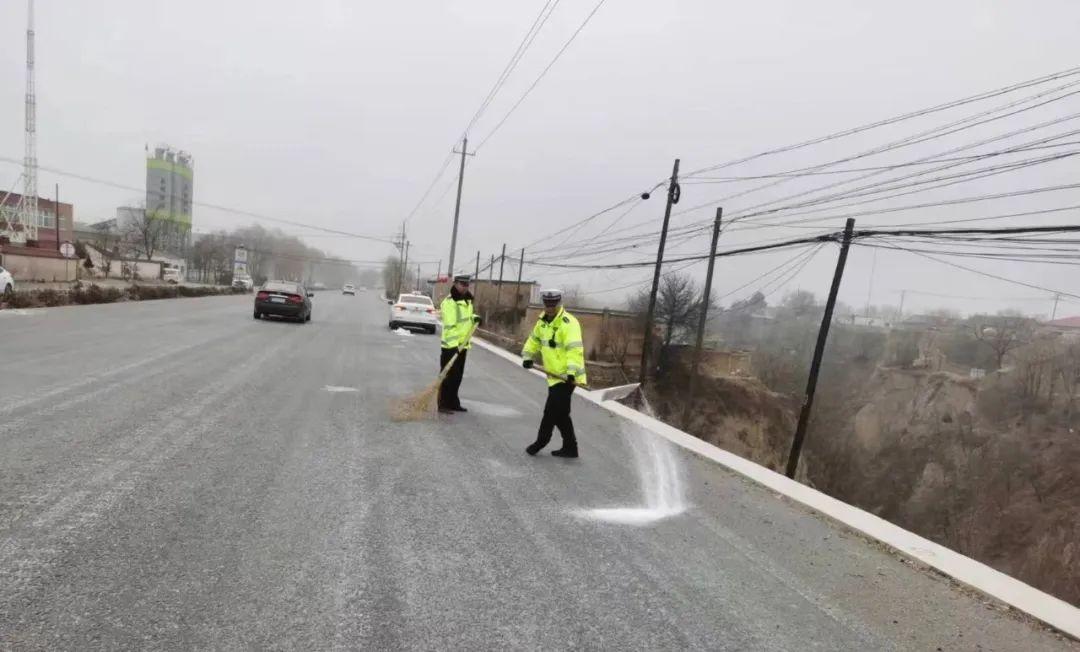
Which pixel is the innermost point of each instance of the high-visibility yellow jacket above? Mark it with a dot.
(560, 345)
(457, 319)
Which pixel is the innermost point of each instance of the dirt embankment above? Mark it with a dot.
(932, 453)
(929, 451)
(740, 415)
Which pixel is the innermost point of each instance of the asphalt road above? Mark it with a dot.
(176, 475)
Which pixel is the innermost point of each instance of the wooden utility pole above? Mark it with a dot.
(819, 351)
(476, 276)
(498, 291)
(405, 267)
(646, 345)
(1053, 313)
(705, 298)
(457, 205)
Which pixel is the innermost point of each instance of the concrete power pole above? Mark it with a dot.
(646, 345)
(819, 352)
(498, 292)
(702, 319)
(457, 205)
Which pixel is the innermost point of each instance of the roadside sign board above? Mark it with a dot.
(67, 250)
(240, 262)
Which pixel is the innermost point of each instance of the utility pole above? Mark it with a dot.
(498, 292)
(56, 214)
(900, 312)
(705, 297)
(1053, 314)
(491, 281)
(399, 244)
(517, 288)
(819, 351)
(457, 205)
(405, 266)
(476, 276)
(418, 287)
(870, 286)
(646, 345)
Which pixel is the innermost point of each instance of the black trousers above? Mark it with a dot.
(557, 415)
(448, 392)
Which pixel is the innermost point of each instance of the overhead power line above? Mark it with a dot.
(542, 74)
(1069, 72)
(217, 207)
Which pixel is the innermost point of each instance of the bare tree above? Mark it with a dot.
(1002, 334)
(145, 232)
(1068, 373)
(618, 337)
(107, 241)
(800, 304)
(678, 304)
(573, 297)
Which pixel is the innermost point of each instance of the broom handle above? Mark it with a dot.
(562, 378)
(461, 347)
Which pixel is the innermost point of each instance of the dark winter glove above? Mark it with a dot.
(527, 364)
(477, 320)
(570, 380)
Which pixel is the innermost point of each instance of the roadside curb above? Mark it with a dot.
(1053, 611)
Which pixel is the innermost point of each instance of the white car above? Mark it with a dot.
(349, 288)
(245, 283)
(413, 311)
(7, 283)
(171, 275)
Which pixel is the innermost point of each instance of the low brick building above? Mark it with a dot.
(609, 335)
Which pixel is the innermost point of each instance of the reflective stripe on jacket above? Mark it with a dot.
(457, 317)
(560, 345)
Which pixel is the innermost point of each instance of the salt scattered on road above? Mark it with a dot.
(661, 483)
(490, 409)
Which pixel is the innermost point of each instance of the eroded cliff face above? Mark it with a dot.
(923, 451)
(929, 451)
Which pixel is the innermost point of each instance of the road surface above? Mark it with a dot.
(175, 474)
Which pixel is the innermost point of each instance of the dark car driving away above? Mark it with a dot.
(283, 299)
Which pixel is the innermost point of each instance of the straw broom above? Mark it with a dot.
(421, 406)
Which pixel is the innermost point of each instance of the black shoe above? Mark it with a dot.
(459, 409)
(533, 449)
(562, 452)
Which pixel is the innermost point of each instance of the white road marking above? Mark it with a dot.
(337, 388)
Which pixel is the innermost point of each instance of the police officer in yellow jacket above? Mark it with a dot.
(557, 338)
(457, 321)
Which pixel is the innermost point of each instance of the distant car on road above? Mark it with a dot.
(283, 299)
(349, 288)
(244, 283)
(413, 311)
(7, 283)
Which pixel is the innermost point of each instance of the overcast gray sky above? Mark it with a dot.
(339, 114)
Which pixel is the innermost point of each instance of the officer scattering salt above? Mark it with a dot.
(557, 338)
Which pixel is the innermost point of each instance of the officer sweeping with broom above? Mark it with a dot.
(557, 338)
(457, 324)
